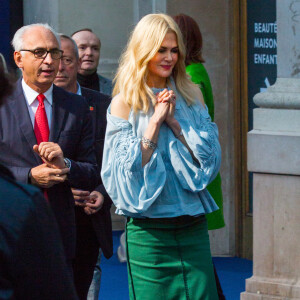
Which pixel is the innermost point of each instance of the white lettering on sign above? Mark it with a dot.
(265, 43)
(265, 38)
(265, 27)
(265, 59)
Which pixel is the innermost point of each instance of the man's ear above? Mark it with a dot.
(18, 59)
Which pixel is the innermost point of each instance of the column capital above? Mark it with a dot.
(285, 93)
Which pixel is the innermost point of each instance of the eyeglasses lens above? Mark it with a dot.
(42, 53)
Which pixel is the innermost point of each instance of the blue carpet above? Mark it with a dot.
(232, 272)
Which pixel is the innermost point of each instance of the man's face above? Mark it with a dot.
(38, 73)
(66, 77)
(89, 51)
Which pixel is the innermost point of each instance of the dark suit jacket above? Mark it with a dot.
(105, 85)
(32, 261)
(71, 128)
(102, 219)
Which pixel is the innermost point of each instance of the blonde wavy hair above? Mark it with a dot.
(144, 43)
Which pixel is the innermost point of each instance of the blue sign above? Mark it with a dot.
(11, 19)
(262, 49)
(262, 57)
(5, 28)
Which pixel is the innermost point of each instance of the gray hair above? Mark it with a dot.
(18, 42)
(65, 37)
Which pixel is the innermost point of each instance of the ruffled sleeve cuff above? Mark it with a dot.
(204, 143)
(132, 188)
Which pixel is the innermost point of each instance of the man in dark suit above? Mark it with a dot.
(32, 261)
(89, 52)
(93, 220)
(46, 136)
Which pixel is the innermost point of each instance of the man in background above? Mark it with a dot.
(93, 220)
(89, 53)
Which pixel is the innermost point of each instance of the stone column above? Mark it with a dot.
(274, 157)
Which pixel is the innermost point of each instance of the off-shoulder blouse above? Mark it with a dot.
(171, 184)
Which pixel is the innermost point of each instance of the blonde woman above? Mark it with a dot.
(161, 151)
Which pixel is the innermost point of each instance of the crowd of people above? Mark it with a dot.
(67, 151)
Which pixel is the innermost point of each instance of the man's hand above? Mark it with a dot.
(81, 197)
(91, 202)
(51, 154)
(95, 204)
(45, 177)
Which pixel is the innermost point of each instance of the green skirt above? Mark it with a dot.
(169, 260)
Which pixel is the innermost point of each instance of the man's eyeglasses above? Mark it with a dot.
(42, 53)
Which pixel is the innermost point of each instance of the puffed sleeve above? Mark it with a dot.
(132, 188)
(202, 137)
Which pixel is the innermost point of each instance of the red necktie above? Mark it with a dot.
(41, 126)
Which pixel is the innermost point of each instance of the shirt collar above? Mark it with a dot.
(78, 89)
(31, 94)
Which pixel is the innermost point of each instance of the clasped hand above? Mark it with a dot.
(53, 170)
(91, 202)
(164, 109)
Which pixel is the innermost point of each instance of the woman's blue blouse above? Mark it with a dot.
(171, 184)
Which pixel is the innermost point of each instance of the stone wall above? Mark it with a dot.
(273, 157)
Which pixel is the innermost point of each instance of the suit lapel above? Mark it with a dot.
(92, 108)
(59, 114)
(19, 108)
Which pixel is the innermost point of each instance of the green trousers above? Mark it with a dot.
(169, 261)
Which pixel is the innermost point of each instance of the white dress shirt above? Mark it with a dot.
(33, 103)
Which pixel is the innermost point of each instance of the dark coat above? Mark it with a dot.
(93, 231)
(102, 219)
(32, 260)
(71, 128)
(105, 85)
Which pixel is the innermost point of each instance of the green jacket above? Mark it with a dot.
(199, 76)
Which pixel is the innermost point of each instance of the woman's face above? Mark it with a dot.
(161, 65)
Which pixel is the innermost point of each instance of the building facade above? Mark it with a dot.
(236, 47)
